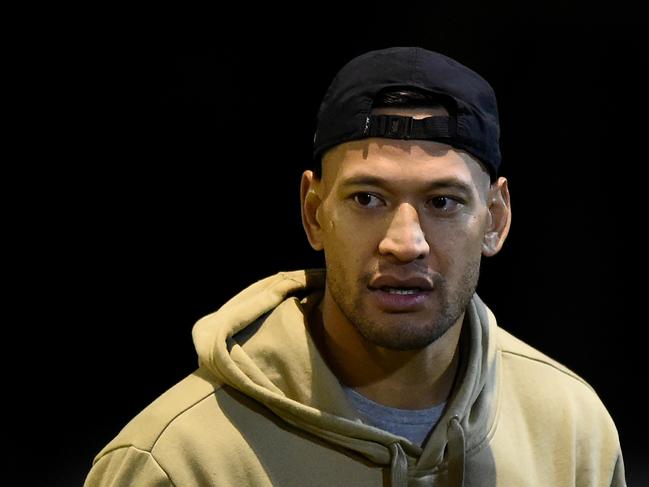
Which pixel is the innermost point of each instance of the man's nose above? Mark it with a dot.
(404, 238)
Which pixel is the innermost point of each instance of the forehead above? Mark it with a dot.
(401, 161)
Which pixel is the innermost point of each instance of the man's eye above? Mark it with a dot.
(367, 200)
(445, 204)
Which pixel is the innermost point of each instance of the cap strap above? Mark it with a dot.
(400, 127)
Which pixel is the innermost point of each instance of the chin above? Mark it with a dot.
(403, 334)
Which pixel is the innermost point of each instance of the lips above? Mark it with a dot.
(419, 282)
(403, 294)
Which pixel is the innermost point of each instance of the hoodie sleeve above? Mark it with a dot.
(127, 466)
(618, 479)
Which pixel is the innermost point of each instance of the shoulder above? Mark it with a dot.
(178, 404)
(519, 354)
(188, 435)
(540, 387)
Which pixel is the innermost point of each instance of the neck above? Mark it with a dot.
(405, 379)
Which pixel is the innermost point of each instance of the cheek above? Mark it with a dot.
(345, 234)
(452, 246)
(348, 248)
(347, 245)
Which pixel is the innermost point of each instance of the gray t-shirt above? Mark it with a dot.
(414, 424)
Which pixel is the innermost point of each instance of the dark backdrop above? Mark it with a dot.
(167, 180)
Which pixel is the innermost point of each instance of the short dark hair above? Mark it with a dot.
(403, 98)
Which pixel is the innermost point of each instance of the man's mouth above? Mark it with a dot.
(401, 299)
(401, 290)
(400, 284)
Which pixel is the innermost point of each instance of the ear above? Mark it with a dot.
(499, 218)
(310, 203)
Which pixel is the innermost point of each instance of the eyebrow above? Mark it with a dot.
(444, 183)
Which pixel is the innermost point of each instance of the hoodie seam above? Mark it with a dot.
(154, 442)
(149, 453)
(549, 364)
(162, 431)
(287, 276)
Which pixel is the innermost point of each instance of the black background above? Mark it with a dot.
(164, 178)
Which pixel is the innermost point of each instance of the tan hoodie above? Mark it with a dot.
(264, 409)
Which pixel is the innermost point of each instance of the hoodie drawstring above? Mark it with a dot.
(456, 454)
(456, 447)
(398, 466)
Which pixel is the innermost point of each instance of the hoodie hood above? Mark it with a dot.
(259, 344)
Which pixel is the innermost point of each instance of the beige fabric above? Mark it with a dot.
(263, 409)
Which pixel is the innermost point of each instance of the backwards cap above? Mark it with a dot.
(472, 124)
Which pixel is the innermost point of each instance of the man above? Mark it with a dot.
(386, 368)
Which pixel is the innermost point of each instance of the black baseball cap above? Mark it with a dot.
(472, 124)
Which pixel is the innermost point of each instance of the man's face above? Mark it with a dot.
(402, 225)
